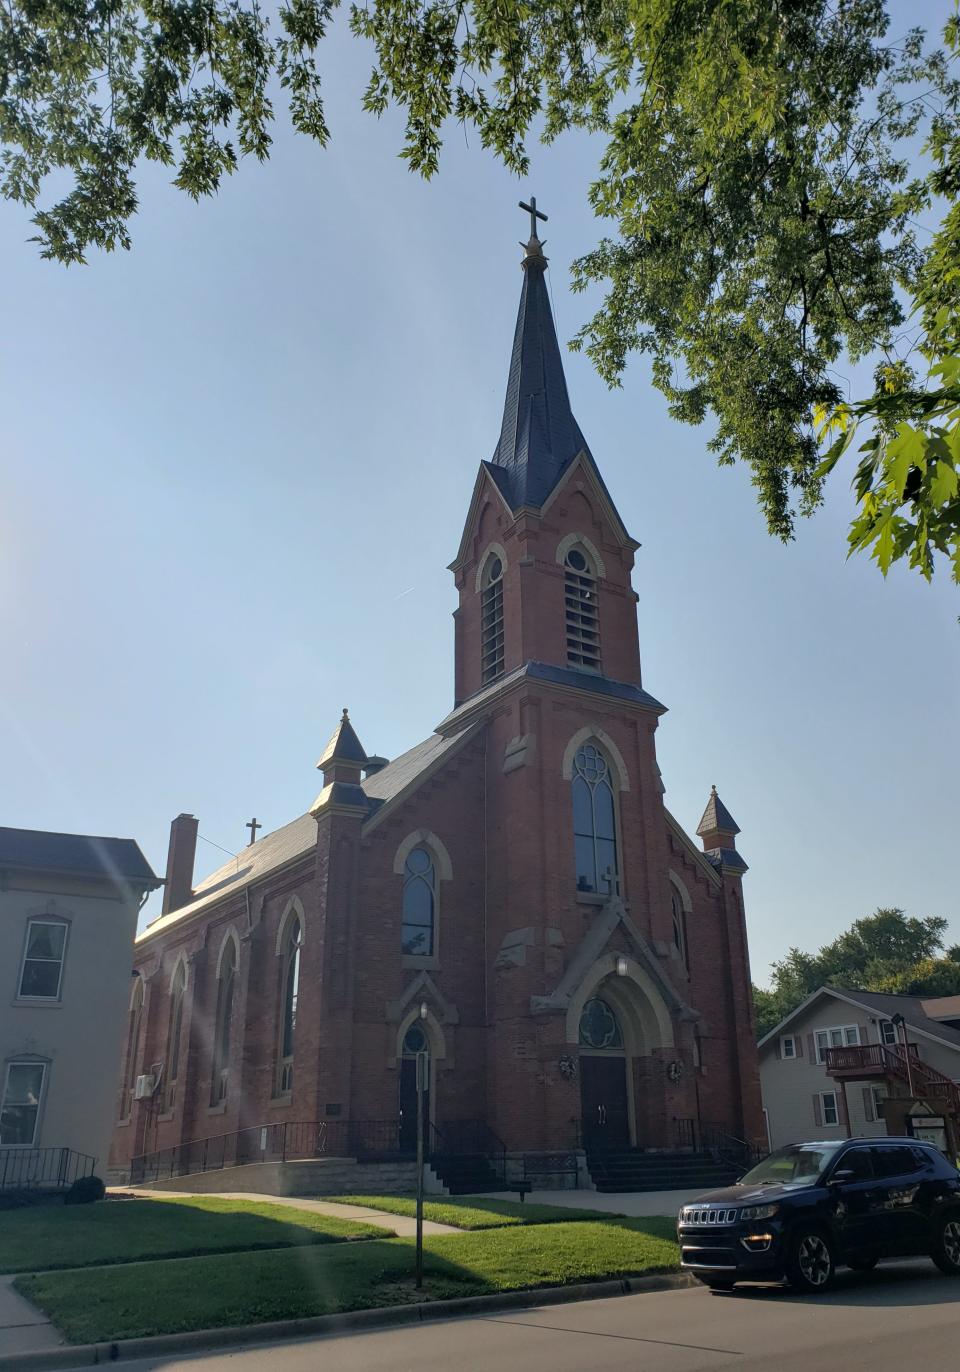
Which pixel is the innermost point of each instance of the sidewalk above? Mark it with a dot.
(23, 1329)
(404, 1226)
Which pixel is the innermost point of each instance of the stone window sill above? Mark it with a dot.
(167, 1115)
(124, 1123)
(590, 898)
(284, 1098)
(430, 963)
(219, 1109)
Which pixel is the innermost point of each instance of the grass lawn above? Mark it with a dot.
(246, 1288)
(53, 1236)
(467, 1212)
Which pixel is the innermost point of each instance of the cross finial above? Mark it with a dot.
(253, 826)
(534, 214)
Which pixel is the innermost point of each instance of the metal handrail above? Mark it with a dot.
(29, 1169)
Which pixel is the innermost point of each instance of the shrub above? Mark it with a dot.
(84, 1190)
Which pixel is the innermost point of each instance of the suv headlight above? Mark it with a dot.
(759, 1212)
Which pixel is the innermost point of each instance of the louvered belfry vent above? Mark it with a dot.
(583, 623)
(491, 648)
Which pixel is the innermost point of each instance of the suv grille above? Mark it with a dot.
(709, 1215)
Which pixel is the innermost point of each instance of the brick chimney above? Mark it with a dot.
(178, 889)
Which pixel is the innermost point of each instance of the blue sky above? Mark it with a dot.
(237, 461)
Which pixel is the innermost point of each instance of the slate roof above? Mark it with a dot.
(344, 746)
(558, 676)
(881, 1004)
(539, 436)
(299, 837)
(76, 855)
(716, 817)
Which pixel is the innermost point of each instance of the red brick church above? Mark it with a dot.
(510, 896)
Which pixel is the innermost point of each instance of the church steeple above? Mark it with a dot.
(539, 436)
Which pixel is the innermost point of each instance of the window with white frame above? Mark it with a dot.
(20, 1105)
(888, 1033)
(843, 1036)
(829, 1109)
(788, 1046)
(42, 971)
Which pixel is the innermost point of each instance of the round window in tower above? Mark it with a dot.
(577, 561)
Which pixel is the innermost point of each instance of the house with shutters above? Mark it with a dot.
(849, 1063)
(510, 901)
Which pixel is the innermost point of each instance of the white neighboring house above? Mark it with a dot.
(802, 1100)
(68, 915)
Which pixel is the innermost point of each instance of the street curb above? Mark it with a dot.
(232, 1336)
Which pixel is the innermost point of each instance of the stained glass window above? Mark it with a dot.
(594, 823)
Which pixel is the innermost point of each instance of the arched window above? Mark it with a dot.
(134, 1027)
(224, 1022)
(177, 992)
(419, 903)
(415, 1040)
(491, 620)
(594, 822)
(289, 986)
(599, 1026)
(583, 624)
(679, 923)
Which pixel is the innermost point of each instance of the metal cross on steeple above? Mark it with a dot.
(534, 214)
(253, 826)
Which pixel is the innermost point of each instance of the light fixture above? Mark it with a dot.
(423, 1009)
(621, 966)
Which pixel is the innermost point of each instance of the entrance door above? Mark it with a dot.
(603, 1102)
(408, 1107)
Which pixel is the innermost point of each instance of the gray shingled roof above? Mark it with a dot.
(299, 837)
(716, 817)
(76, 854)
(911, 1007)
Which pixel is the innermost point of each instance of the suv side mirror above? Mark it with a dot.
(841, 1175)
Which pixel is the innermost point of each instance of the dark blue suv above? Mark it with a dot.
(809, 1208)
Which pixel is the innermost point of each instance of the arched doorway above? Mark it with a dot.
(604, 1093)
(415, 1041)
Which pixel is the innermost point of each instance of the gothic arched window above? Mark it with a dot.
(178, 990)
(134, 1027)
(419, 903)
(599, 1026)
(580, 598)
(491, 620)
(594, 821)
(290, 988)
(679, 923)
(226, 986)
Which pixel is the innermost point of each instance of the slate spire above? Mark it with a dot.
(539, 436)
(716, 818)
(344, 747)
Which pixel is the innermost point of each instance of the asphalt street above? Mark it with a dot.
(904, 1315)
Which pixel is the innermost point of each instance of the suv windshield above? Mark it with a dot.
(798, 1165)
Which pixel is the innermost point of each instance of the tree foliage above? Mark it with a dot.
(757, 175)
(885, 951)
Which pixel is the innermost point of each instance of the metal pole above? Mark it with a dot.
(422, 1069)
(906, 1051)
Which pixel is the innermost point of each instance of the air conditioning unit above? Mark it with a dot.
(144, 1086)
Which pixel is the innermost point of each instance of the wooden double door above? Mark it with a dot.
(604, 1103)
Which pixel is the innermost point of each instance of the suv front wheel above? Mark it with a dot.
(811, 1266)
(946, 1250)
